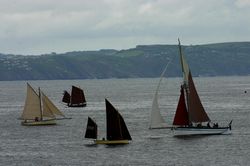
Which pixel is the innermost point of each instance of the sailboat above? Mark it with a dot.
(76, 99)
(38, 109)
(116, 129)
(190, 113)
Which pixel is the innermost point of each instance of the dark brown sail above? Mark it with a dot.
(116, 127)
(196, 111)
(91, 130)
(77, 96)
(66, 97)
(181, 114)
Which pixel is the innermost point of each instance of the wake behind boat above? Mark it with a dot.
(39, 109)
(190, 114)
(76, 99)
(116, 129)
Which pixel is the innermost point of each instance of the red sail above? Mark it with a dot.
(196, 111)
(77, 96)
(181, 115)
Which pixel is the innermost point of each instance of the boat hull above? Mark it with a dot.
(188, 131)
(111, 142)
(39, 123)
(78, 105)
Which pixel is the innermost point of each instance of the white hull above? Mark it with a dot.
(188, 131)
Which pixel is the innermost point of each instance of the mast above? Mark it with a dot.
(40, 104)
(196, 112)
(185, 72)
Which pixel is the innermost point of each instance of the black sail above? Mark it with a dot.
(116, 127)
(77, 96)
(66, 97)
(91, 130)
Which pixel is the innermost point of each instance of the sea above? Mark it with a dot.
(224, 99)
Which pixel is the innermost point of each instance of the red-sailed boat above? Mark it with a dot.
(76, 99)
(190, 115)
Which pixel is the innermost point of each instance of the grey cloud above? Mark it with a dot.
(36, 27)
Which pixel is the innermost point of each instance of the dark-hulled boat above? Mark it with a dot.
(76, 99)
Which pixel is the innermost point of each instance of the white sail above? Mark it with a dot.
(156, 119)
(49, 109)
(32, 105)
(184, 65)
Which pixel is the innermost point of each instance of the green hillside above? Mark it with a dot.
(222, 59)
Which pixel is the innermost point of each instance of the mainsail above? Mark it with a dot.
(181, 115)
(116, 127)
(196, 112)
(91, 131)
(32, 107)
(77, 95)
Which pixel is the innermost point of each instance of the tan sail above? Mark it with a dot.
(49, 109)
(184, 66)
(32, 108)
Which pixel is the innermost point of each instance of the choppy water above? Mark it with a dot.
(223, 98)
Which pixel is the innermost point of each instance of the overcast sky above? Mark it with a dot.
(45, 26)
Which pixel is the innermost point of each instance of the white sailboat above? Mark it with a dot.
(190, 113)
(38, 109)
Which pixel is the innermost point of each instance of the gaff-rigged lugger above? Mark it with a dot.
(116, 129)
(190, 114)
(76, 99)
